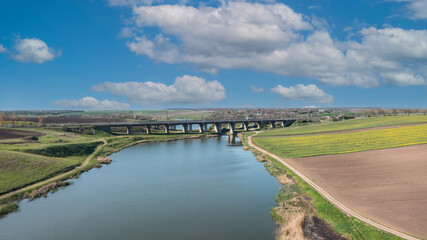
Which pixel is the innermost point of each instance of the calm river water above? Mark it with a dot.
(189, 189)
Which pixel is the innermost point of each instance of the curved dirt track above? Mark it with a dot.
(330, 198)
(345, 131)
(57, 177)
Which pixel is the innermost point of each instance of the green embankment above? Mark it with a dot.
(66, 150)
(8, 208)
(349, 125)
(305, 146)
(20, 169)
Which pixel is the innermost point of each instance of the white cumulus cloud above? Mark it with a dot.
(2, 49)
(275, 38)
(307, 93)
(91, 103)
(417, 9)
(33, 50)
(186, 90)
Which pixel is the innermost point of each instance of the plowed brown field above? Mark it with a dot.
(12, 133)
(388, 186)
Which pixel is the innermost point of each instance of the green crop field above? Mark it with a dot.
(20, 169)
(305, 146)
(349, 124)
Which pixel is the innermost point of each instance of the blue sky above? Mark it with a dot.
(148, 54)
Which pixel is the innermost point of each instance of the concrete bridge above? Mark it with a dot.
(187, 126)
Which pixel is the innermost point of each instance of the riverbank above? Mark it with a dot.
(55, 178)
(295, 214)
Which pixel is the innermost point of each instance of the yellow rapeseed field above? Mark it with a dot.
(305, 146)
(349, 124)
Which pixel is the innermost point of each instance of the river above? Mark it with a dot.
(188, 189)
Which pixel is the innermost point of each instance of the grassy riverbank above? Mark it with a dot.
(18, 170)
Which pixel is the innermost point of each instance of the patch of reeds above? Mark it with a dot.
(8, 208)
(43, 191)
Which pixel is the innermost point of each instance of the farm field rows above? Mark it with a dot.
(387, 186)
(306, 146)
(349, 125)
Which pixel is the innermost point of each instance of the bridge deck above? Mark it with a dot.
(179, 122)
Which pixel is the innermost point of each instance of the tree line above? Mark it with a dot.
(15, 120)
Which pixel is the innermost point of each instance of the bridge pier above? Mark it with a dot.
(167, 129)
(217, 127)
(245, 126)
(272, 124)
(148, 129)
(184, 128)
(128, 129)
(259, 125)
(201, 127)
(232, 127)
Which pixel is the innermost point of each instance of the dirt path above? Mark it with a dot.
(345, 131)
(327, 196)
(57, 177)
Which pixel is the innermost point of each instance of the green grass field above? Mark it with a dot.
(305, 146)
(20, 169)
(52, 138)
(349, 125)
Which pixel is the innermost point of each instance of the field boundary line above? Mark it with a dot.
(57, 177)
(328, 197)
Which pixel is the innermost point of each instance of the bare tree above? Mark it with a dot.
(23, 120)
(2, 119)
(41, 120)
(13, 119)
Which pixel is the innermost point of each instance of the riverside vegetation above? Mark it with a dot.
(298, 204)
(24, 162)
